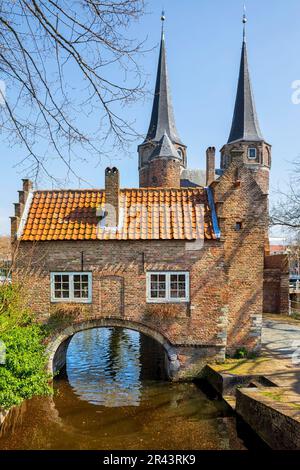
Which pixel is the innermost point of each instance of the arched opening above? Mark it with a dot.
(59, 344)
(113, 366)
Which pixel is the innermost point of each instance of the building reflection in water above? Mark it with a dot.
(106, 366)
(114, 397)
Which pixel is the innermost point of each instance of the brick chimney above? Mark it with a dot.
(112, 188)
(20, 207)
(27, 185)
(210, 165)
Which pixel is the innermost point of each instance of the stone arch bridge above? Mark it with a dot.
(181, 362)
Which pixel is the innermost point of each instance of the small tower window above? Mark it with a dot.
(227, 160)
(180, 153)
(252, 153)
(238, 226)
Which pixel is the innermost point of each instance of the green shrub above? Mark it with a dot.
(23, 374)
(13, 311)
(241, 353)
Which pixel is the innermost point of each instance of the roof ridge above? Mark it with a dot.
(66, 190)
(191, 188)
(161, 188)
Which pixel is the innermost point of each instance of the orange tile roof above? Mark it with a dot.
(145, 214)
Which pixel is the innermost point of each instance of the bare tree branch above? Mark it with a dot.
(286, 212)
(57, 59)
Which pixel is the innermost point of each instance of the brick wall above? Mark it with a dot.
(119, 283)
(161, 172)
(242, 209)
(276, 284)
(260, 166)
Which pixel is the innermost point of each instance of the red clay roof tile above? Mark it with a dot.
(145, 214)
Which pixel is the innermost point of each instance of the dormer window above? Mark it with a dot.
(180, 153)
(252, 153)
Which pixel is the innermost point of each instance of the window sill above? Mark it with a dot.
(70, 301)
(163, 301)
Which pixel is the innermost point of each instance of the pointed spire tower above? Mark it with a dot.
(162, 155)
(246, 140)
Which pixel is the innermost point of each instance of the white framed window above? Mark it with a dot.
(170, 286)
(71, 287)
(252, 153)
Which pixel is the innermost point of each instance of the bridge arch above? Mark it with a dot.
(58, 344)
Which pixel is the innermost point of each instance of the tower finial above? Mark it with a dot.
(244, 23)
(162, 18)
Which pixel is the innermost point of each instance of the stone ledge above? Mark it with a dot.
(226, 383)
(273, 413)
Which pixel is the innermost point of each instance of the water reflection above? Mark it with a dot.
(103, 366)
(111, 398)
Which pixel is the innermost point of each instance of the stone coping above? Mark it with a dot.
(273, 413)
(281, 399)
(264, 365)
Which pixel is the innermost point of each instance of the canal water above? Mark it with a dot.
(114, 395)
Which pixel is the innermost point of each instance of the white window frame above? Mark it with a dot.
(71, 298)
(168, 298)
(249, 150)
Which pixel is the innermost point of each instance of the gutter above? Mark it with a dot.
(214, 217)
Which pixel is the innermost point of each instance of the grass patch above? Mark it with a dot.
(295, 405)
(276, 396)
(242, 366)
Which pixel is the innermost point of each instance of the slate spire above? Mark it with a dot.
(162, 155)
(162, 117)
(245, 125)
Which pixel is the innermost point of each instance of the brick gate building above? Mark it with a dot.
(178, 261)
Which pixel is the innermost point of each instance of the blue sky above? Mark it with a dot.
(203, 49)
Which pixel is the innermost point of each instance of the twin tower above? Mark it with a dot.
(163, 156)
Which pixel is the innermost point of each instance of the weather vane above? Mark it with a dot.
(162, 19)
(244, 22)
